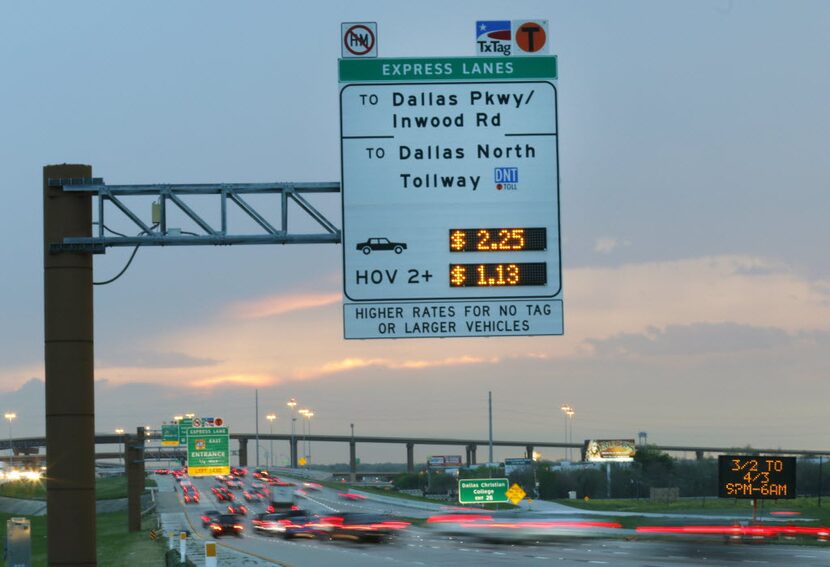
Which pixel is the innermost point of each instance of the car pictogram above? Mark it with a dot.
(379, 243)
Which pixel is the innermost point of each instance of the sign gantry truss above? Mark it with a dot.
(175, 197)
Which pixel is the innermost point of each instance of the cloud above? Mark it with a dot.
(696, 339)
(349, 364)
(232, 379)
(605, 245)
(606, 301)
(281, 304)
(155, 360)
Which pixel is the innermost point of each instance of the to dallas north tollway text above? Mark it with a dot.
(411, 153)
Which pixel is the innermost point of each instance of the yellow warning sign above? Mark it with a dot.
(515, 494)
(302, 461)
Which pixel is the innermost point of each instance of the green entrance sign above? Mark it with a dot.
(447, 69)
(207, 451)
(482, 490)
(170, 434)
(184, 424)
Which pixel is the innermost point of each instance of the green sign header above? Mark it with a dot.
(482, 490)
(447, 69)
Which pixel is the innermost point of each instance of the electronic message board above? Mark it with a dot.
(450, 186)
(741, 476)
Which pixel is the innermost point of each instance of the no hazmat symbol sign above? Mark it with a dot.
(359, 39)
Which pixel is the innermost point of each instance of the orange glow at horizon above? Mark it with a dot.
(281, 304)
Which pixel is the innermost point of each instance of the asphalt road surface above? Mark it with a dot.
(424, 547)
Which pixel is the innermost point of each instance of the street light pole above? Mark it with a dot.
(256, 420)
(10, 416)
(271, 417)
(120, 432)
(309, 415)
(303, 413)
(571, 413)
(292, 403)
(565, 409)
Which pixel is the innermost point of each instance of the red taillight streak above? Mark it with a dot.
(458, 518)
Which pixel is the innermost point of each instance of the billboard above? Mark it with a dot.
(742, 476)
(511, 465)
(609, 450)
(442, 461)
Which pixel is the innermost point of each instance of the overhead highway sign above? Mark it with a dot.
(450, 192)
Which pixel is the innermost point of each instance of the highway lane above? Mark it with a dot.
(422, 546)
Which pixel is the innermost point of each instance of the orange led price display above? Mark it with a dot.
(498, 239)
(498, 275)
(756, 477)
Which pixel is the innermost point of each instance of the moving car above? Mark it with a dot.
(238, 509)
(288, 525)
(361, 527)
(191, 494)
(281, 506)
(209, 517)
(351, 496)
(226, 524)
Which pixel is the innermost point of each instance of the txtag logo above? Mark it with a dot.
(493, 37)
(506, 178)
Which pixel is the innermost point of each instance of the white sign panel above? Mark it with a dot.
(450, 195)
(409, 320)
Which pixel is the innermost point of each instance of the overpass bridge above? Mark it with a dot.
(22, 445)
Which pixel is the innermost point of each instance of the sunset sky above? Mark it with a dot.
(694, 174)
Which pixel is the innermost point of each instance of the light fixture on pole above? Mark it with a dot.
(271, 417)
(120, 432)
(10, 416)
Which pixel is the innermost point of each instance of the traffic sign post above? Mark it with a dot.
(482, 490)
(450, 197)
(515, 494)
(207, 451)
(170, 435)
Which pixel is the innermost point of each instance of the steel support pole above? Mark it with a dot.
(135, 478)
(243, 452)
(293, 448)
(352, 460)
(69, 373)
(410, 457)
(529, 452)
(294, 452)
(256, 420)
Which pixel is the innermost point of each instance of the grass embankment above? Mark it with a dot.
(107, 488)
(116, 547)
(806, 507)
